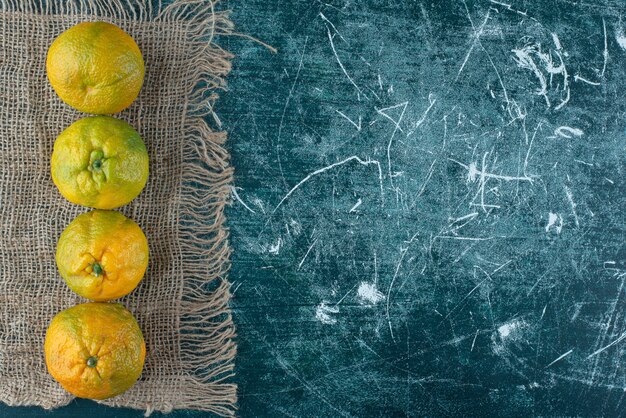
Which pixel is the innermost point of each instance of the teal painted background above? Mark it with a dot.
(431, 209)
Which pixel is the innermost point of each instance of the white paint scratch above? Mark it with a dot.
(330, 167)
(475, 39)
(431, 102)
(275, 248)
(609, 264)
(460, 238)
(356, 205)
(605, 53)
(583, 162)
(325, 19)
(474, 341)
(332, 45)
(323, 313)
(557, 41)
(568, 131)
(295, 227)
(427, 179)
(345, 296)
(506, 330)
(554, 221)
(236, 288)
(469, 217)
(473, 173)
(307, 254)
(595, 353)
(357, 126)
(561, 69)
(573, 205)
(525, 58)
(282, 119)
(559, 358)
(503, 265)
(466, 296)
(403, 251)
(508, 7)
(577, 77)
(369, 294)
(393, 134)
(396, 123)
(620, 37)
(236, 196)
(259, 203)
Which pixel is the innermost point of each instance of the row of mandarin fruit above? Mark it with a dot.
(96, 350)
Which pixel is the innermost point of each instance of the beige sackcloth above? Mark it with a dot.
(182, 303)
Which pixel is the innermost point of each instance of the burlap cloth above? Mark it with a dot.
(182, 304)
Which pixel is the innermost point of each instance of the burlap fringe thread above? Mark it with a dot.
(206, 341)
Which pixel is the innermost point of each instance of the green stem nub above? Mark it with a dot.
(96, 160)
(97, 269)
(92, 361)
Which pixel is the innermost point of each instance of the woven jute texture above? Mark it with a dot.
(182, 303)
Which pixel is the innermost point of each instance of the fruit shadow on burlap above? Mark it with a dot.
(182, 303)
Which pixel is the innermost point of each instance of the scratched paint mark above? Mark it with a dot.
(595, 353)
(573, 205)
(397, 127)
(236, 196)
(568, 132)
(329, 167)
(506, 334)
(431, 102)
(605, 52)
(512, 330)
(324, 313)
(559, 358)
(307, 254)
(578, 77)
(258, 203)
(356, 205)
(620, 37)
(282, 119)
(331, 38)
(295, 227)
(475, 39)
(506, 329)
(369, 294)
(555, 222)
(474, 173)
(545, 67)
(275, 248)
(509, 7)
(353, 123)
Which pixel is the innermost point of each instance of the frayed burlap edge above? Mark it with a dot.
(207, 349)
